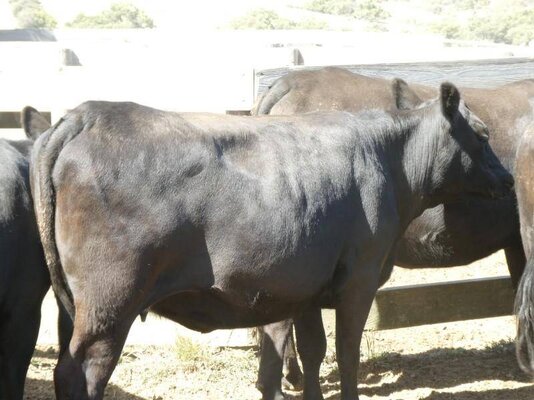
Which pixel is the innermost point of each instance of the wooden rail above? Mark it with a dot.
(11, 119)
(405, 306)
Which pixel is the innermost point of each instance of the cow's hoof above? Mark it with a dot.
(292, 383)
(276, 396)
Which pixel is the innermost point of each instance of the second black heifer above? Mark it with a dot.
(24, 277)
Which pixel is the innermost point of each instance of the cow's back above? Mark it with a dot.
(22, 262)
(507, 111)
(330, 88)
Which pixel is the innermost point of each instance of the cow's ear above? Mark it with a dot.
(33, 122)
(450, 99)
(405, 97)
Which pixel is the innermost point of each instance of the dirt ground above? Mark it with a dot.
(467, 360)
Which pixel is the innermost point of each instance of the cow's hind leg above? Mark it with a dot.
(311, 345)
(84, 369)
(292, 375)
(64, 328)
(19, 335)
(516, 260)
(274, 340)
(292, 378)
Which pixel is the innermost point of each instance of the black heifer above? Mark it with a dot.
(447, 235)
(23, 274)
(524, 170)
(444, 236)
(224, 222)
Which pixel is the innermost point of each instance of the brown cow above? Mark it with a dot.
(524, 171)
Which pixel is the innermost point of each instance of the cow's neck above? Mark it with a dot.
(411, 160)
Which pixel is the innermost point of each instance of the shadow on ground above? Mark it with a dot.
(38, 389)
(524, 393)
(43, 389)
(438, 369)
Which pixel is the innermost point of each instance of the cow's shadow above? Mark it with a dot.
(43, 389)
(40, 389)
(524, 393)
(438, 369)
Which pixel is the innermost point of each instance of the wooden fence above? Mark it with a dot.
(415, 305)
(472, 73)
(405, 306)
(11, 119)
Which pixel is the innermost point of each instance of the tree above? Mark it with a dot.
(264, 19)
(512, 25)
(31, 14)
(369, 10)
(510, 22)
(334, 7)
(450, 28)
(118, 16)
(443, 6)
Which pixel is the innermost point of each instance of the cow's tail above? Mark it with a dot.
(44, 155)
(524, 310)
(272, 96)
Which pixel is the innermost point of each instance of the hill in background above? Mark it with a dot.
(500, 21)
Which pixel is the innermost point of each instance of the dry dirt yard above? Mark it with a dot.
(467, 360)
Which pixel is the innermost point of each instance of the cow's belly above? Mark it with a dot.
(243, 281)
(212, 309)
(242, 296)
(458, 234)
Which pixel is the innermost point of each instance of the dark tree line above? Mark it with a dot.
(31, 14)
